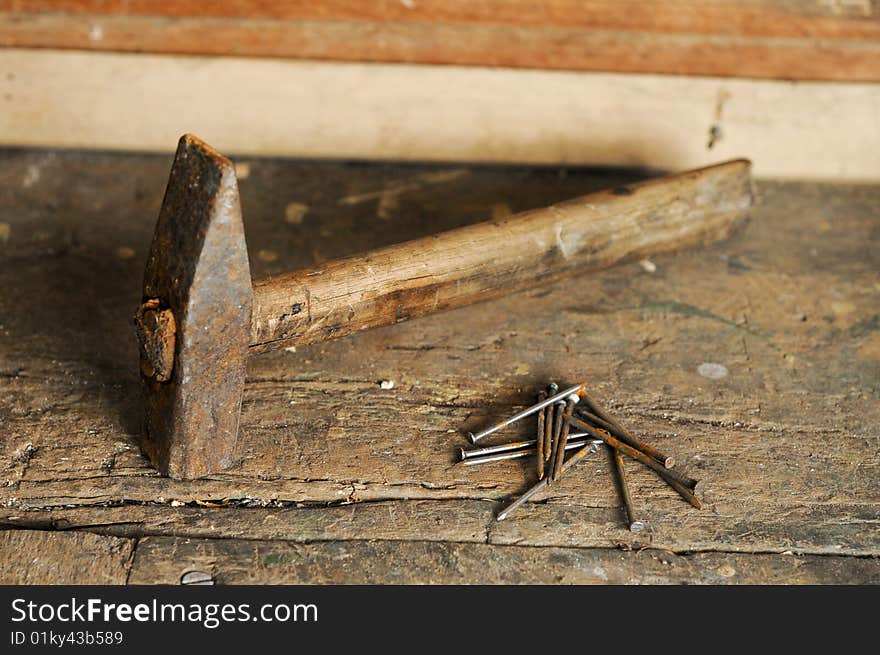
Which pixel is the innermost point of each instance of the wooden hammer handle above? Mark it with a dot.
(486, 260)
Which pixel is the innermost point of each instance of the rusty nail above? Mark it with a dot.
(528, 411)
(614, 428)
(570, 402)
(558, 422)
(509, 446)
(552, 389)
(634, 524)
(558, 409)
(542, 395)
(500, 448)
(601, 419)
(535, 488)
(582, 452)
(576, 440)
(681, 483)
(632, 452)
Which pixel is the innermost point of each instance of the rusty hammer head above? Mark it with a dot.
(193, 324)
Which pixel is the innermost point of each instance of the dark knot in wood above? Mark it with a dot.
(156, 331)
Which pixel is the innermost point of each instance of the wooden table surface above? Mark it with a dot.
(756, 363)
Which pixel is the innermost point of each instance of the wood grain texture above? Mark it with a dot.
(765, 17)
(451, 269)
(785, 444)
(162, 560)
(29, 557)
(768, 39)
(438, 113)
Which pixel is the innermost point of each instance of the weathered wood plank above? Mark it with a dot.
(163, 560)
(744, 39)
(785, 443)
(76, 558)
(563, 518)
(846, 20)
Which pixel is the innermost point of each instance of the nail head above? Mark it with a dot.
(196, 578)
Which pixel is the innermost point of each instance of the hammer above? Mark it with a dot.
(201, 315)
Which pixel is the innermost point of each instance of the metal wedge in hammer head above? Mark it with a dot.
(193, 324)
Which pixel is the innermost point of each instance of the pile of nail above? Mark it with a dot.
(558, 413)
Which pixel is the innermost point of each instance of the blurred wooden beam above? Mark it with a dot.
(778, 39)
(250, 106)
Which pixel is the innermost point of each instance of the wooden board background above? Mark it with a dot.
(810, 130)
(341, 480)
(781, 39)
